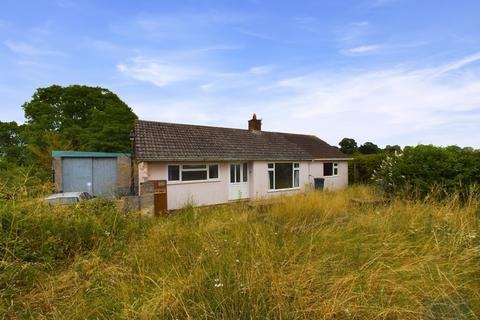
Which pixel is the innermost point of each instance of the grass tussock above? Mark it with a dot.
(309, 256)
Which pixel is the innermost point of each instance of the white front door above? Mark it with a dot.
(238, 186)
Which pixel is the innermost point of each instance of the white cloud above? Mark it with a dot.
(455, 65)
(352, 33)
(173, 110)
(384, 48)
(28, 49)
(260, 69)
(399, 105)
(364, 49)
(402, 105)
(157, 72)
(178, 67)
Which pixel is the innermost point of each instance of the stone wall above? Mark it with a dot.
(124, 175)
(147, 204)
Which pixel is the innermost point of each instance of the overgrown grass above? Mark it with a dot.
(309, 256)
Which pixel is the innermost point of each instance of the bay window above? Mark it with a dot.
(192, 172)
(283, 175)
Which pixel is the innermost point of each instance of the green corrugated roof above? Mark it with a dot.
(86, 154)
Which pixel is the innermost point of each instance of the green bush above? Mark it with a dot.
(361, 168)
(426, 168)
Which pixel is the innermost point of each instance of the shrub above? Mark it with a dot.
(421, 169)
(362, 167)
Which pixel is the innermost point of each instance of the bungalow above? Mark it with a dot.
(204, 165)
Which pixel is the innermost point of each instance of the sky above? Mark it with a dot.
(387, 71)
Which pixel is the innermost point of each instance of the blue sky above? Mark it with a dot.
(388, 71)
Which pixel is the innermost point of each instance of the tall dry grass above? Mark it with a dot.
(309, 256)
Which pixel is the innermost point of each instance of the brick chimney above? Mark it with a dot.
(255, 124)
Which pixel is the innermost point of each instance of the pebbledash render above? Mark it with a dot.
(212, 165)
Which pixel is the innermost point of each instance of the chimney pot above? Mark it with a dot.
(255, 124)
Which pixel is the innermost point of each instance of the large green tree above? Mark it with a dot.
(12, 146)
(82, 117)
(369, 148)
(348, 145)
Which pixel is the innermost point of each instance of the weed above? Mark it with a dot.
(313, 255)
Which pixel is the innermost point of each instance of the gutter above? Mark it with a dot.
(333, 159)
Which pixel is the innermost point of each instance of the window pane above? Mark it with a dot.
(194, 166)
(335, 171)
(327, 169)
(270, 180)
(237, 173)
(173, 173)
(270, 165)
(245, 172)
(213, 171)
(283, 175)
(296, 165)
(232, 173)
(296, 178)
(194, 175)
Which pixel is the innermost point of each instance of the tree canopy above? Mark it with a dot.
(348, 145)
(369, 148)
(82, 117)
(12, 146)
(392, 149)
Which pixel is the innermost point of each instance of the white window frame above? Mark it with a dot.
(181, 169)
(295, 168)
(243, 172)
(334, 169)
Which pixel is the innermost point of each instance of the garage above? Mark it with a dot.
(98, 173)
(97, 176)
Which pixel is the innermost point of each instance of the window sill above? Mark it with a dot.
(287, 189)
(329, 177)
(193, 181)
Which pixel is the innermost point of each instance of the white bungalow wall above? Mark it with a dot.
(180, 194)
